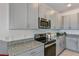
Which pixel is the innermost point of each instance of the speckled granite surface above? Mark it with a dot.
(22, 47)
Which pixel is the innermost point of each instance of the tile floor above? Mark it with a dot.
(69, 53)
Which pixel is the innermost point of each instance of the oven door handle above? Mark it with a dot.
(49, 44)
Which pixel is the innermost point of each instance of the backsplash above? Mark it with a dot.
(44, 31)
(20, 34)
(70, 31)
(29, 32)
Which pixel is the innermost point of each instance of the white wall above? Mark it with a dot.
(4, 17)
(28, 32)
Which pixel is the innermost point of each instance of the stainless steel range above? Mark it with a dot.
(50, 46)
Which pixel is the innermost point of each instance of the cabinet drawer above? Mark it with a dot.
(37, 51)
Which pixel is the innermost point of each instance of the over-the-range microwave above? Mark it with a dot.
(44, 23)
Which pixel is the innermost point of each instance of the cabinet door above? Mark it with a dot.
(62, 42)
(60, 45)
(58, 48)
(39, 51)
(45, 11)
(71, 43)
(54, 21)
(73, 21)
(58, 22)
(42, 10)
(78, 44)
(61, 22)
(18, 16)
(66, 22)
(33, 15)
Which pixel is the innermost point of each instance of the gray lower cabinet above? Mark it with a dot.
(39, 51)
(60, 44)
(78, 44)
(72, 43)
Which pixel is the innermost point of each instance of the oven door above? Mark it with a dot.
(50, 49)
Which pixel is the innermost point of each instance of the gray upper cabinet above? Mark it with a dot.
(70, 21)
(58, 22)
(52, 24)
(42, 10)
(54, 21)
(66, 22)
(73, 21)
(18, 16)
(23, 16)
(33, 15)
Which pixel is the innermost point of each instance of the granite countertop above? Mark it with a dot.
(22, 47)
(72, 34)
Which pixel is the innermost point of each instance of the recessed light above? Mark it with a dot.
(69, 5)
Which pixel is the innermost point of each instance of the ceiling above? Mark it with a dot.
(62, 7)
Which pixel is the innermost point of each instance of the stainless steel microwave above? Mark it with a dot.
(44, 23)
